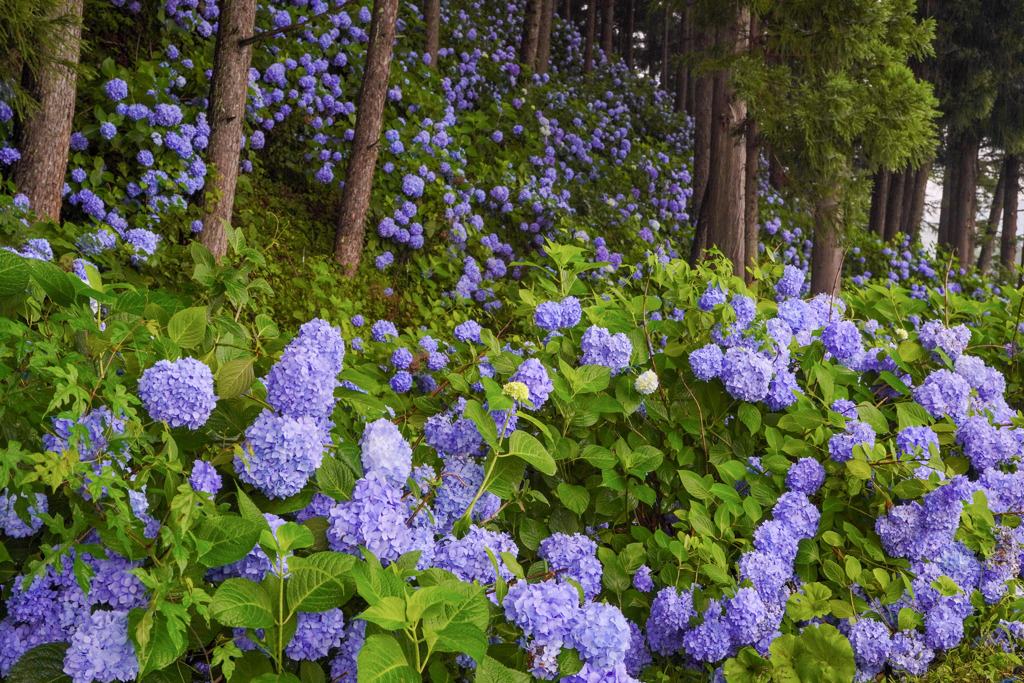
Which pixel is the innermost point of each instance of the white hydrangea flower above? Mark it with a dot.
(646, 383)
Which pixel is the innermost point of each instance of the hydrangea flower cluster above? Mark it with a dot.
(600, 347)
(179, 393)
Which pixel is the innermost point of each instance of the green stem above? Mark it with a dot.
(490, 468)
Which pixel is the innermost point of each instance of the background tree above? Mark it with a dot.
(355, 198)
(432, 19)
(840, 64)
(229, 89)
(45, 40)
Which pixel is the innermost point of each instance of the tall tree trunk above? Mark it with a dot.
(725, 195)
(229, 88)
(588, 48)
(547, 16)
(776, 173)
(664, 53)
(355, 198)
(531, 30)
(630, 15)
(909, 188)
(826, 255)
(879, 200)
(46, 133)
(566, 11)
(750, 212)
(608, 28)
(962, 221)
(894, 205)
(916, 213)
(432, 18)
(682, 73)
(702, 113)
(687, 50)
(1008, 243)
(949, 180)
(995, 215)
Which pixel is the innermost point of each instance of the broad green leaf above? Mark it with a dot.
(155, 647)
(335, 479)
(320, 582)
(41, 664)
(381, 660)
(528, 448)
(576, 498)
(54, 281)
(14, 274)
(188, 327)
(493, 671)
(235, 377)
(810, 603)
(230, 538)
(292, 536)
(242, 603)
(483, 421)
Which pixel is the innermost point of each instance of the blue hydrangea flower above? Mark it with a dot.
(116, 89)
(468, 331)
(461, 478)
(179, 393)
(375, 518)
(533, 374)
(400, 382)
(791, 283)
(302, 384)
(805, 476)
(316, 635)
(12, 524)
(205, 478)
(467, 557)
(713, 296)
(710, 641)
(642, 579)
(571, 311)
(706, 362)
(412, 186)
(910, 654)
(602, 635)
(746, 374)
(840, 446)
(600, 347)
(384, 450)
(842, 339)
(944, 393)
(345, 664)
(401, 358)
(546, 611)
(101, 650)
(548, 316)
(872, 644)
(669, 620)
(382, 329)
(574, 557)
(281, 454)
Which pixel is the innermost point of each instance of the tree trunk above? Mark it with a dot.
(355, 198)
(949, 179)
(630, 14)
(687, 50)
(995, 215)
(608, 28)
(961, 227)
(588, 48)
(702, 114)
(750, 212)
(46, 133)
(547, 17)
(894, 205)
(664, 53)
(826, 255)
(879, 200)
(531, 30)
(229, 88)
(916, 213)
(776, 173)
(432, 17)
(725, 195)
(566, 13)
(1008, 243)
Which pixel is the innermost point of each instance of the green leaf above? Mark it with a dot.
(266, 327)
(292, 536)
(946, 586)
(155, 647)
(576, 498)
(591, 379)
(746, 667)
(820, 654)
(859, 469)
(528, 448)
(459, 625)
(388, 613)
(695, 485)
(381, 660)
(493, 671)
(235, 377)
(812, 602)
(277, 678)
(483, 421)
(188, 327)
(41, 664)
(335, 479)
(242, 603)
(14, 273)
(55, 282)
(750, 416)
(230, 538)
(320, 582)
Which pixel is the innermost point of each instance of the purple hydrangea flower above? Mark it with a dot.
(179, 393)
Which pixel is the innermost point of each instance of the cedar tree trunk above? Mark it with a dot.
(826, 255)
(1008, 243)
(917, 200)
(879, 199)
(630, 14)
(750, 212)
(46, 134)
(229, 88)
(961, 226)
(894, 205)
(432, 17)
(355, 198)
(588, 49)
(995, 215)
(531, 29)
(547, 17)
(608, 28)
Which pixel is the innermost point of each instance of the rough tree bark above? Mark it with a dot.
(879, 200)
(917, 200)
(961, 226)
(894, 205)
(547, 17)
(682, 72)
(229, 88)
(664, 51)
(46, 134)
(991, 226)
(629, 30)
(946, 206)
(750, 212)
(566, 12)
(702, 113)
(588, 47)
(608, 28)
(1008, 243)
(432, 18)
(531, 30)
(826, 255)
(725, 194)
(355, 198)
